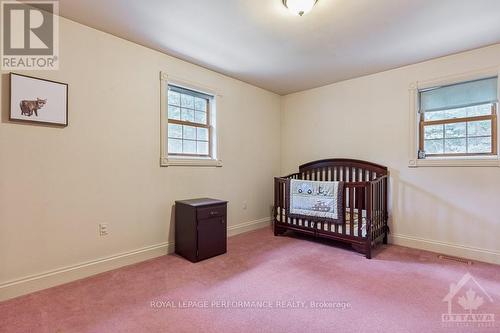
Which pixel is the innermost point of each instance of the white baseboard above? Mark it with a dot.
(248, 226)
(44, 280)
(451, 249)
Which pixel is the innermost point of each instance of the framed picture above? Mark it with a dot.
(38, 100)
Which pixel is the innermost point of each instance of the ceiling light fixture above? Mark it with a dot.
(299, 7)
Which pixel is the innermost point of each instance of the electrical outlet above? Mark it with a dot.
(103, 229)
(244, 206)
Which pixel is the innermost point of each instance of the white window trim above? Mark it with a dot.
(165, 159)
(467, 161)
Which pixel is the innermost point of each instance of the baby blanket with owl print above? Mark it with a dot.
(318, 199)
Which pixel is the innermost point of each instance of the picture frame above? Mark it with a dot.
(38, 101)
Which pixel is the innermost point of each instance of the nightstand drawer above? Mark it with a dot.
(209, 212)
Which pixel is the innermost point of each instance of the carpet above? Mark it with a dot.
(272, 284)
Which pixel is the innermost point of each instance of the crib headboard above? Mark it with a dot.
(342, 169)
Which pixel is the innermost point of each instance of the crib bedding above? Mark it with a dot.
(324, 226)
(317, 199)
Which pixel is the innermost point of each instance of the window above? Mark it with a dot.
(188, 123)
(458, 119)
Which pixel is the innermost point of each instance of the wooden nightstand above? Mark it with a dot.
(200, 228)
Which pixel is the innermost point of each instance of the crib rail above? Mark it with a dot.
(356, 199)
(378, 208)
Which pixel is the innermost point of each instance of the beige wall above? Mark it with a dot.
(57, 185)
(450, 210)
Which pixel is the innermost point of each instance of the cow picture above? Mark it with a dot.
(38, 101)
(30, 107)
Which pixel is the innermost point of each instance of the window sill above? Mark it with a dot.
(455, 162)
(198, 162)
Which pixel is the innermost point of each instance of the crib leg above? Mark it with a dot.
(386, 232)
(277, 230)
(368, 252)
(368, 248)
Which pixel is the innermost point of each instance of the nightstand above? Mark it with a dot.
(200, 228)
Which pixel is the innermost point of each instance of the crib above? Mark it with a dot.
(364, 203)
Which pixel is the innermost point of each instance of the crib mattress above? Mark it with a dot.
(333, 227)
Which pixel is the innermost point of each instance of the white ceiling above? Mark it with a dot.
(260, 42)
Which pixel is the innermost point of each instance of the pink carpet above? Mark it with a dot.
(399, 290)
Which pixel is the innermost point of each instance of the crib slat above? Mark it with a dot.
(375, 208)
(375, 231)
(342, 226)
(285, 204)
(351, 208)
(384, 195)
(361, 194)
(377, 193)
(381, 199)
(281, 202)
(276, 202)
(381, 213)
(379, 208)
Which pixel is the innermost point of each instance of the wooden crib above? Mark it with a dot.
(364, 203)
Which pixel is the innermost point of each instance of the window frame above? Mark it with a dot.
(492, 117)
(207, 126)
(180, 159)
(451, 160)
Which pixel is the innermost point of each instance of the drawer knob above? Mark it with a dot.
(213, 212)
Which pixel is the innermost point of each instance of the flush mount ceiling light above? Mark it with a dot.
(299, 7)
